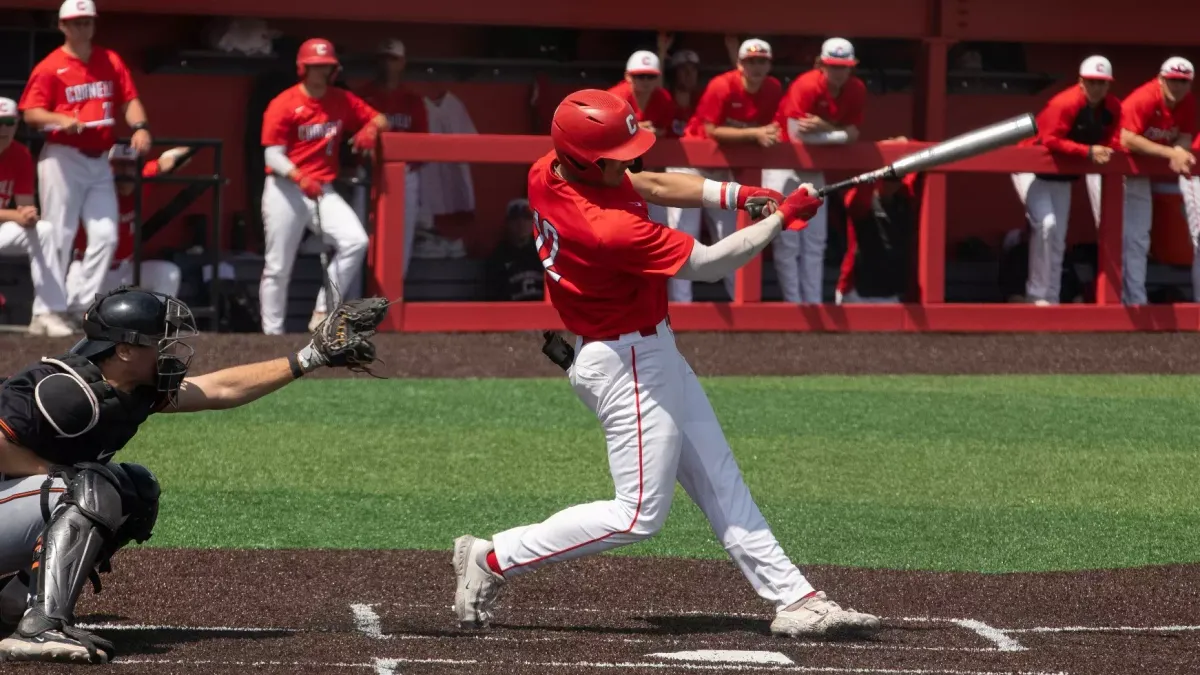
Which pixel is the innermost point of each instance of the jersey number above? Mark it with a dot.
(107, 110)
(546, 242)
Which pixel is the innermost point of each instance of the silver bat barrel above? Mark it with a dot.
(970, 144)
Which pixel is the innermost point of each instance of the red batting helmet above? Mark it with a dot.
(317, 52)
(591, 125)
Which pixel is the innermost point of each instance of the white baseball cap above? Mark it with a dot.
(392, 48)
(1177, 68)
(74, 9)
(684, 56)
(643, 63)
(8, 108)
(754, 48)
(838, 52)
(1096, 68)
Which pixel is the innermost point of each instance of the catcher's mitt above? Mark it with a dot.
(343, 339)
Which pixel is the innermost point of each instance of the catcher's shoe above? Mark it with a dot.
(478, 586)
(39, 638)
(818, 616)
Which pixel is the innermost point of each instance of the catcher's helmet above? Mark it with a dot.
(591, 125)
(317, 52)
(140, 317)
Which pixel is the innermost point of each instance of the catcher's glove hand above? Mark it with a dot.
(343, 339)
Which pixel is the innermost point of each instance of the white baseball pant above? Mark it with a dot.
(48, 291)
(160, 276)
(721, 224)
(73, 186)
(1135, 239)
(412, 211)
(1189, 187)
(800, 256)
(660, 428)
(286, 213)
(1048, 207)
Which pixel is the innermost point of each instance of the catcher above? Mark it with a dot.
(65, 507)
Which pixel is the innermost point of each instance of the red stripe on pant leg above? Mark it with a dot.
(637, 402)
(31, 493)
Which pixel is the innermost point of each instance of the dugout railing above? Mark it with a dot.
(747, 311)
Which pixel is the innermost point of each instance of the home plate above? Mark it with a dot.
(726, 656)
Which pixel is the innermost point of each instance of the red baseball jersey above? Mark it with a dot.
(809, 95)
(313, 130)
(1070, 126)
(16, 173)
(126, 207)
(660, 109)
(726, 103)
(404, 109)
(683, 114)
(92, 91)
(606, 262)
(1145, 112)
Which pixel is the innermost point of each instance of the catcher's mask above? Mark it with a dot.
(140, 317)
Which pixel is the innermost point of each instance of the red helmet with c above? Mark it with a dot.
(591, 125)
(317, 52)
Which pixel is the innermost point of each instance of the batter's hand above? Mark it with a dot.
(758, 202)
(366, 139)
(311, 187)
(27, 216)
(1100, 154)
(141, 141)
(799, 207)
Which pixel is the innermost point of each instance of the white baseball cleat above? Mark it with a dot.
(818, 616)
(478, 586)
(50, 325)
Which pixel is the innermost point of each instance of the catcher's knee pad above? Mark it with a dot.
(140, 492)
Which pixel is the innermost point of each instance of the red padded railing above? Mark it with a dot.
(747, 311)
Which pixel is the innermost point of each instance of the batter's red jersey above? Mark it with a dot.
(404, 109)
(1145, 112)
(126, 207)
(92, 91)
(1068, 125)
(660, 109)
(726, 103)
(313, 130)
(809, 95)
(16, 173)
(607, 263)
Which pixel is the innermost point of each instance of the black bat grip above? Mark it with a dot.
(838, 187)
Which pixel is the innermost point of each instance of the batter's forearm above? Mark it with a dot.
(681, 190)
(135, 113)
(713, 263)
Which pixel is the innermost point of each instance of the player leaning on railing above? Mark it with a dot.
(65, 508)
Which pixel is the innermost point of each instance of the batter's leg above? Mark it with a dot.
(785, 250)
(1043, 222)
(688, 222)
(161, 276)
(285, 214)
(341, 226)
(99, 213)
(1189, 187)
(61, 190)
(635, 391)
(1135, 240)
(812, 247)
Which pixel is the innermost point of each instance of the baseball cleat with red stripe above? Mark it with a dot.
(478, 586)
(818, 616)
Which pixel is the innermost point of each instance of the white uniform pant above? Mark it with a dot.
(73, 186)
(721, 223)
(286, 213)
(160, 276)
(1048, 206)
(412, 211)
(48, 290)
(660, 428)
(800, 256)
(1190, 189)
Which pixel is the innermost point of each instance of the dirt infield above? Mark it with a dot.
(382, 613)
(519, 354)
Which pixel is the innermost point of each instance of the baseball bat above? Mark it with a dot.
(971, 144)
(326, 280)
(86, 125)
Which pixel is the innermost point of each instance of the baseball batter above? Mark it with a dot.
(1157, 119)
(1082, 121)
(406, 112)
(23, 232)
(607, 265)
(652, 104)
(75, 94)
(160, 276)
(737, 106)
(303, 130)
(823, 106)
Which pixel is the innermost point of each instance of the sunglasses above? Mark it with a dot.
(645, 77)
(8, 123)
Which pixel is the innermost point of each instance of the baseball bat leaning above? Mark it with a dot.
(970, 144)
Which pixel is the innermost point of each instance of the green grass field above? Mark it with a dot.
(946, 473)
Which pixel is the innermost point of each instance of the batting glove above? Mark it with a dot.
(311, 187)
(760, 202)
(798, 208)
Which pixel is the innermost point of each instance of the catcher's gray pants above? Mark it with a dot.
(21, 519)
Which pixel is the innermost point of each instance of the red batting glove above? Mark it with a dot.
(761, 202)
(798, 208)
(311, 187)
(366, 139)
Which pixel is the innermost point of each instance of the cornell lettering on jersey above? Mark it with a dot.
(313, 132)
(1164, 136)
(90, 91)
